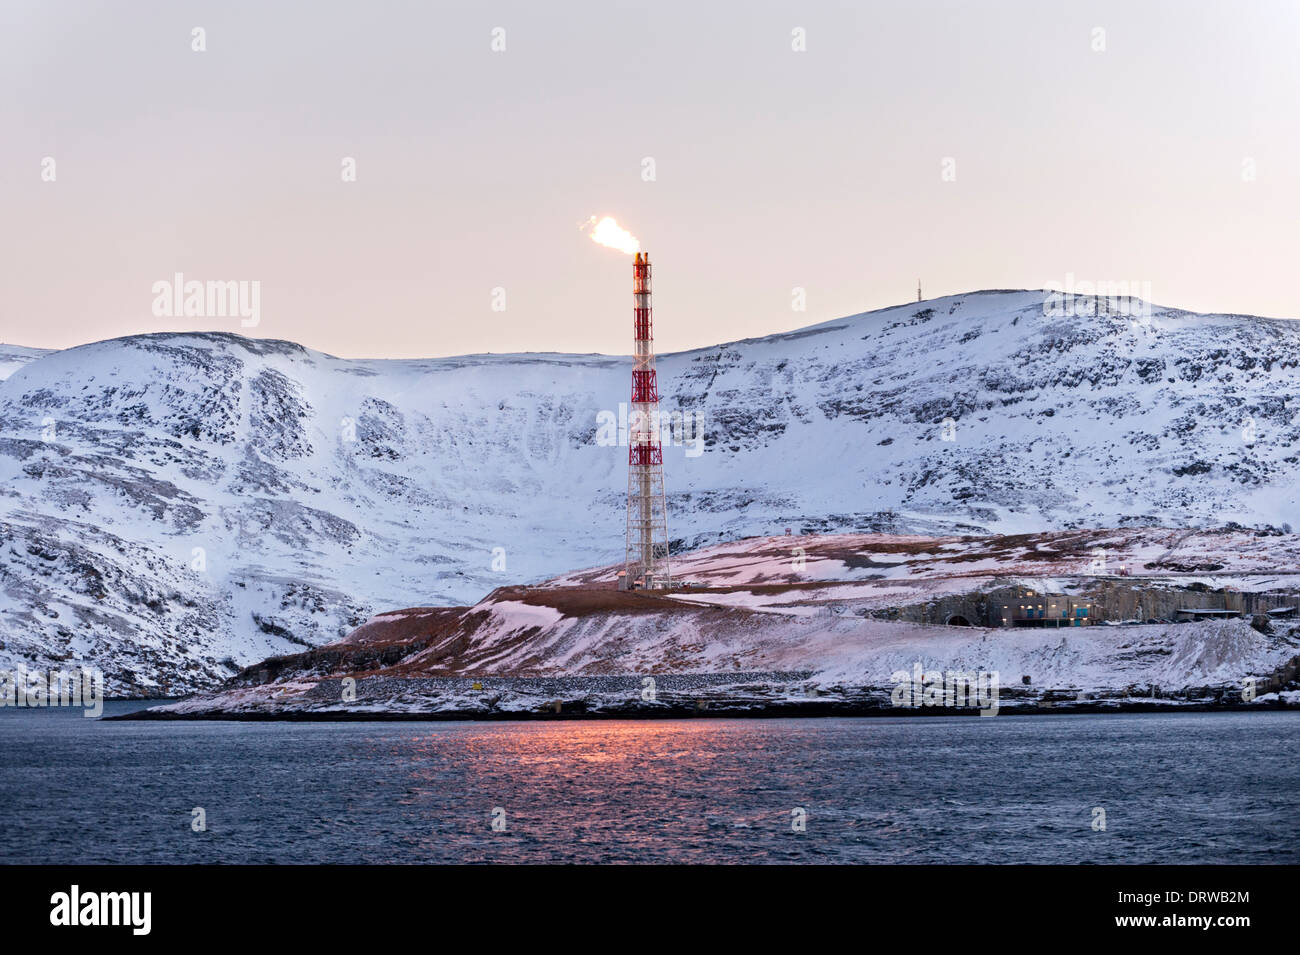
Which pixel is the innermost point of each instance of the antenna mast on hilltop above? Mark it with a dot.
(918, 290)
(646, 560)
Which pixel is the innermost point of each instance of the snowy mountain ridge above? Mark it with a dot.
(176, 505)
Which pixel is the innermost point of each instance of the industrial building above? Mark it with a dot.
(1033, 608)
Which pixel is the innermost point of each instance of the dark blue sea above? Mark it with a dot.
(1176, 788)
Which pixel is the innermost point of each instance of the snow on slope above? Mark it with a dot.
(760, 614)
(207, 496)
(763, 658)
(1237, 558)
(1173, 656)
(13, 357)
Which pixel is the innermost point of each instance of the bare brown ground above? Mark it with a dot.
(399, 627)
(431, 641)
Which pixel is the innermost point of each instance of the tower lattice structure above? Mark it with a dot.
(646, 561)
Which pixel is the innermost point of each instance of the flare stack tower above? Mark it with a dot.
(646, 562)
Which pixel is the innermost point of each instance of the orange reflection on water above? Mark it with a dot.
(624, 786)
(641, 744)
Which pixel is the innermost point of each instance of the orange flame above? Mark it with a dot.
(609, 233)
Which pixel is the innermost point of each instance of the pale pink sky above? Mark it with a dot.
(774, 168)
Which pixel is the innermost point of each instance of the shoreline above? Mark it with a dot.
(800, 710)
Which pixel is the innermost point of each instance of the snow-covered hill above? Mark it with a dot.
(13, 357)
(169, 502)
(802, 622)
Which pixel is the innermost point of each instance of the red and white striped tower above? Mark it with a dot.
(646, 562)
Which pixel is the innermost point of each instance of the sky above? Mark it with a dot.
(755, 148)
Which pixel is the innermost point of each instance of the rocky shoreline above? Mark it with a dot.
(636, 696)
(775, 711)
